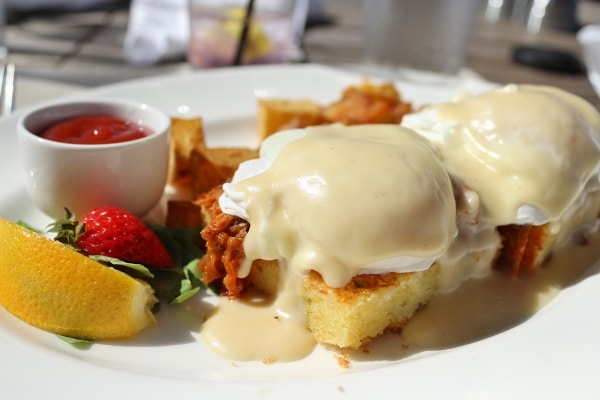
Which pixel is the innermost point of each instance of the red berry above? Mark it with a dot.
(114, 232)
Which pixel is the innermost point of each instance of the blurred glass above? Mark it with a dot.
(535, 15)
(3, 50)
(423, 35)
(216, 27)
(553, 14)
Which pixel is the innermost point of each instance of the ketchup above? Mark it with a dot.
(95, 129)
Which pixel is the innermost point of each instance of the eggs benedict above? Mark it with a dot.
(529, 156)
(352, 229)
(356, 216)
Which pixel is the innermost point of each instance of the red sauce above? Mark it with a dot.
(95, 129)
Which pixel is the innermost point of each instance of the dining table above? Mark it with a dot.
(63, 52)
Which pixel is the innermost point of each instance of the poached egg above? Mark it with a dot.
(344, 201)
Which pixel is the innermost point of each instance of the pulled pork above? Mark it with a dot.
(224, 236)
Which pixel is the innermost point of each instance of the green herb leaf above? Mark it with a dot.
(192, 272)
(190, 284)
(186, 248)
(185, 295)
(79, 343)
(31, 228)
(184, 244)
(119, 263)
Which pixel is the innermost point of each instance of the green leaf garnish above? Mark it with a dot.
(31, 228)
(186, 248)
(120, 263)
(186, 294)
(183, 244)
(190, 284)
(79, 343)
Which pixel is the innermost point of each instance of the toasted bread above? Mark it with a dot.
(279, 114)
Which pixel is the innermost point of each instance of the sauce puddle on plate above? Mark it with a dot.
(255, 328)
(477, 309)
(482, 307)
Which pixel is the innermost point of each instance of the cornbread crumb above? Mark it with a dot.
(269, 360)
(343, 360)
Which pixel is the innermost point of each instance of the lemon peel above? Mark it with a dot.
(57, 289)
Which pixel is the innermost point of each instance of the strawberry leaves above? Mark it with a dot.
(67, 230)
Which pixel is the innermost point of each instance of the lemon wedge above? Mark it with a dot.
(57, 289)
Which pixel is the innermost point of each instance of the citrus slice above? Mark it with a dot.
(57, 289)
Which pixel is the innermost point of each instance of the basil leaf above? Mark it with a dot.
(31, 228)
(80, 343)
(119, 263)
(184, 244)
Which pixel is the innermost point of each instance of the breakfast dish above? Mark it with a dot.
(169, 357)
(303, 199)
(529, 157)
(357, 227)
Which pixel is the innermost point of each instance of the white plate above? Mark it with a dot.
(556, 353)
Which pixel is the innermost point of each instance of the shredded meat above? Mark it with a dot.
(224, 236)
(520, 247)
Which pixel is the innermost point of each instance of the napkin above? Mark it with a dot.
(157, 30)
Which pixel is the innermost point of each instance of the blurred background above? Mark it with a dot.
(94, 42)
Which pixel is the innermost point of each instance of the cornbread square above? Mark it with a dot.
(351, 316)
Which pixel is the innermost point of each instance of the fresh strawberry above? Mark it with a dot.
(117, 233)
